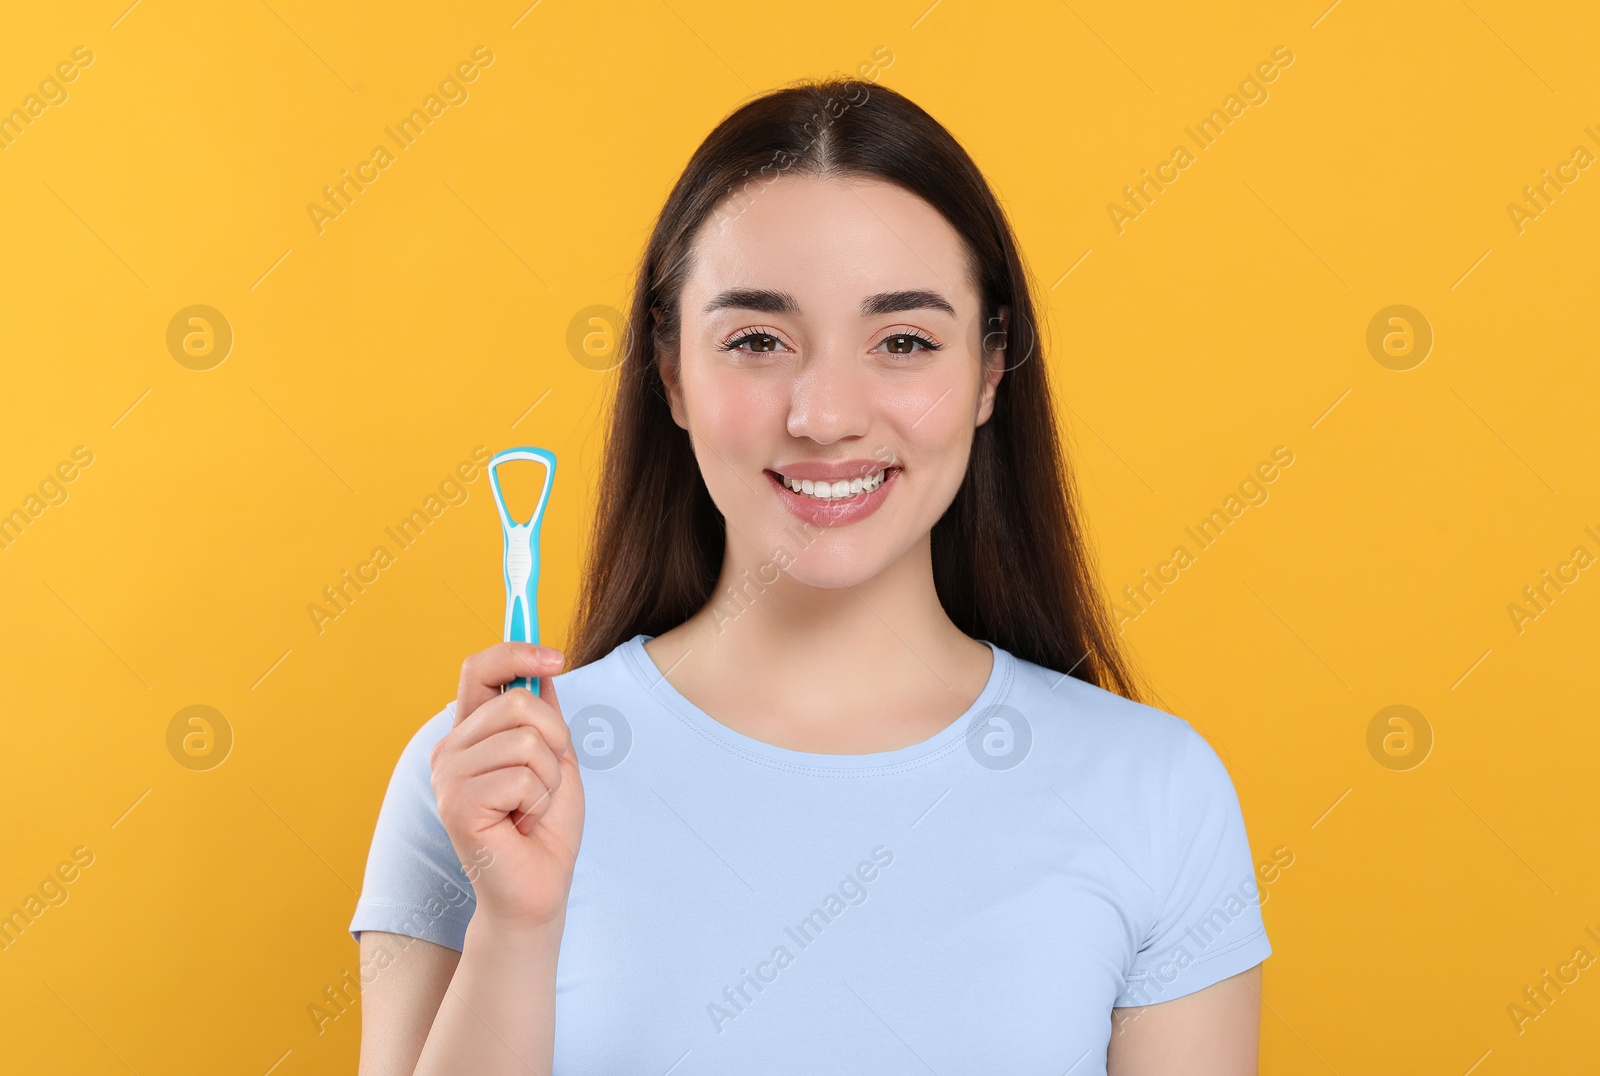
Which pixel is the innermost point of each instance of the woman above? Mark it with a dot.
(847, 741)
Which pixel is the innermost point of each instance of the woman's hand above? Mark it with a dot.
(506, 780)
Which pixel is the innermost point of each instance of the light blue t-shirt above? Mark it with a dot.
(976, 902)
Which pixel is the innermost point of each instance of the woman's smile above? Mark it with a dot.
(830, 498)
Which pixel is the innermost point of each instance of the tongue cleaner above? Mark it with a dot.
(522, 554)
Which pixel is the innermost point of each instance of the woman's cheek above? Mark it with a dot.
(740, 415)
(939, 435)
(934, 409)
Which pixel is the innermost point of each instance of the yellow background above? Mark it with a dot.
(370, 359)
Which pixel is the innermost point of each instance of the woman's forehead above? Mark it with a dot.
(828, 241)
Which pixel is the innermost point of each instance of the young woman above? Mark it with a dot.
(846, 773)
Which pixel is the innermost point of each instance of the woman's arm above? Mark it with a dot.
(490, 1008)
(1211, 1032)
(498, 1014)
(408, 977)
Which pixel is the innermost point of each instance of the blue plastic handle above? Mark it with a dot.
(521, 560)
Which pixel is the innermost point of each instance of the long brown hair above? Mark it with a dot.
(1010, 559)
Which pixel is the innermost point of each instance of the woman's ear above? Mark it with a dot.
(995, 351)
(668, 370)
(669, 378)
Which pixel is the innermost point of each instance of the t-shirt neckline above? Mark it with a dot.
(942, 743)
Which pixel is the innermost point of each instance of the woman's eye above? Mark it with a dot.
(908, 344)
(764, 342)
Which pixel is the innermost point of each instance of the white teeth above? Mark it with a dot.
(831, 491)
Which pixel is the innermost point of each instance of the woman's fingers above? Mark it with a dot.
(513, 791)
(520, 746)
(484, 673)
(508, 710)
(507, 746)
(568, 762)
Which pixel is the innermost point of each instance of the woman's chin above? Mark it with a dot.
(835, 561)
(817, 556)
(830, 576)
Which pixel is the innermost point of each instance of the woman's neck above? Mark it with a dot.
(871, 666)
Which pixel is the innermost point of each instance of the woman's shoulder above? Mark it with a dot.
(1094, 708)
(1154, 786)
(414, 756)
(1143, 743)
(619, 661)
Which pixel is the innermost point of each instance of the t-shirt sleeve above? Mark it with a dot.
(1208, 925)
(415, 884)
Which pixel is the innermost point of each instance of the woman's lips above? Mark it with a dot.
(836, 513)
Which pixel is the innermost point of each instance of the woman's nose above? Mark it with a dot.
(828, 398)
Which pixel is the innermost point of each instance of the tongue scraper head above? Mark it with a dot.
(522, 554)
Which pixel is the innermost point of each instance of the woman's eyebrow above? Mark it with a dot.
(892, 302)
(763, 300)
(768, 301)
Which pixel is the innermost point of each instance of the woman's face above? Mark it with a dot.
(831, 338)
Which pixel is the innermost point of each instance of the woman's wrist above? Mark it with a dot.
(517, 933)
(498, 1012)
